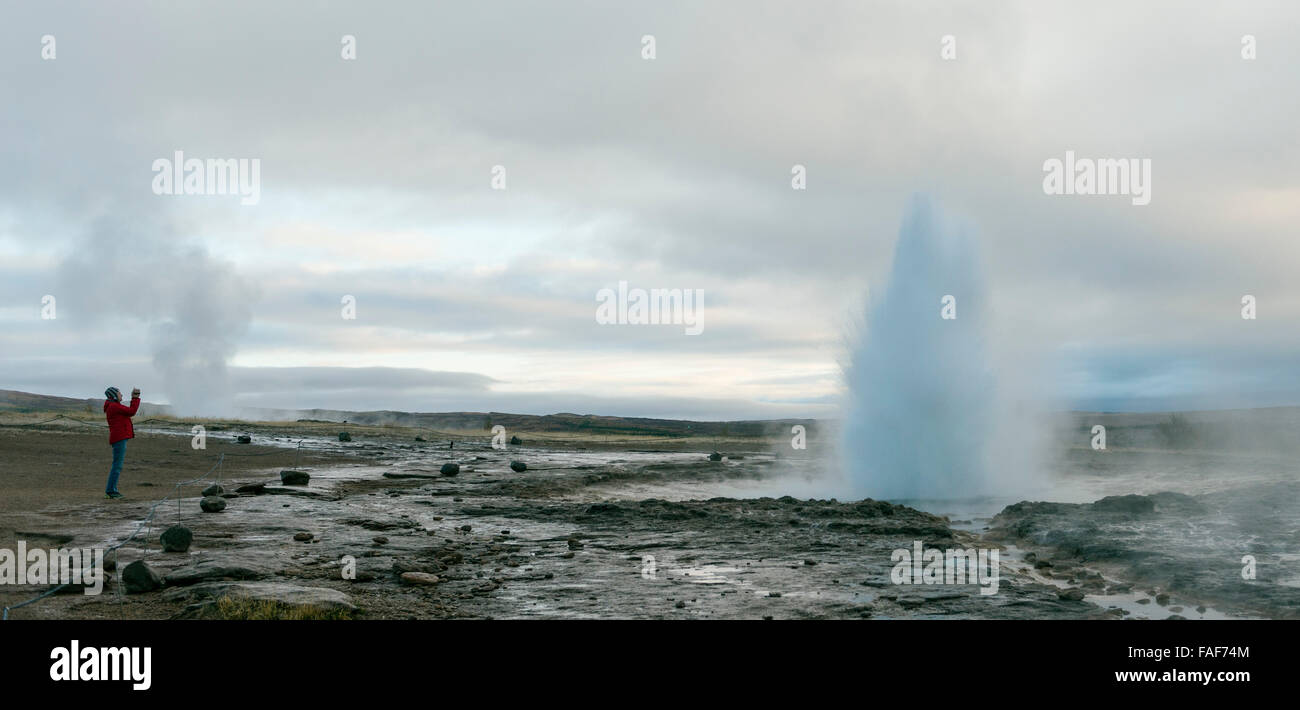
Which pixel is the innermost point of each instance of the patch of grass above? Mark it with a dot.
(245, 609)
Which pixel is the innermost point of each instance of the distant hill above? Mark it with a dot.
(574, 423)
(26, 402)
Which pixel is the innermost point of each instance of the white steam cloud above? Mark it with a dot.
(195, 307)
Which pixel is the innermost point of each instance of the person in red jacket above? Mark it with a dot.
(119, 430)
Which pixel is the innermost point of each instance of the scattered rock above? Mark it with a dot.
(715, 456)
(1162, 599)
(516, 441)
(177, 538)
(680, 604)
(419, 579)
(294, 478)
(1070, 595)
(380, 540)
(254, 488)
(303, 536)
(344, 436)
(449, 469)
(213, 490)
(213, 504)
(139, 577)
(575, 543)
(244, 439)
(518, 466)
(419, 438)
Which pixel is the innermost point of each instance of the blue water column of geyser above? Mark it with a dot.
(920, 394)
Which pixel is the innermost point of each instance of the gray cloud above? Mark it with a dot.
(669, 173)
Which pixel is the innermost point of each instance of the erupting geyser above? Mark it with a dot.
(920, 403)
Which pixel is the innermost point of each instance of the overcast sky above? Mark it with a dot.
(671, 172)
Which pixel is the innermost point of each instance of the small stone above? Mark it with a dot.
(139, 577)
(518, 466)
(294, 478)
(244, 439)
(177, 538)
(715, 456)
(516, 441)
(213, 490)
(344, 436)
(575, 544)
(420, 579)
(1070, 595)
(680, 605)
(1162, 599)
(449, 469)
(380, 540)
(303, 536)
(213, 504)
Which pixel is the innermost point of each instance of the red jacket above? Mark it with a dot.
(119, 419)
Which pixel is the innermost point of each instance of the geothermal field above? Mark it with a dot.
(628, 519)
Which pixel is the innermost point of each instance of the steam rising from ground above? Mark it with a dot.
(195, 308)
(923, 417)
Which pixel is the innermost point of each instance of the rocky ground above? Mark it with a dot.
(381, 530)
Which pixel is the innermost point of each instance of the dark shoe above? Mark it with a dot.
(114, 495)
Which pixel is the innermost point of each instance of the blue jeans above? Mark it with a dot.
(119, 455)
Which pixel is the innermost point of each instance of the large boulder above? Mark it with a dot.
(213, 504)
(213, 490)
(294, 478)
(226, 567)
(139, 577)
(288, 595)
(177, 538)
